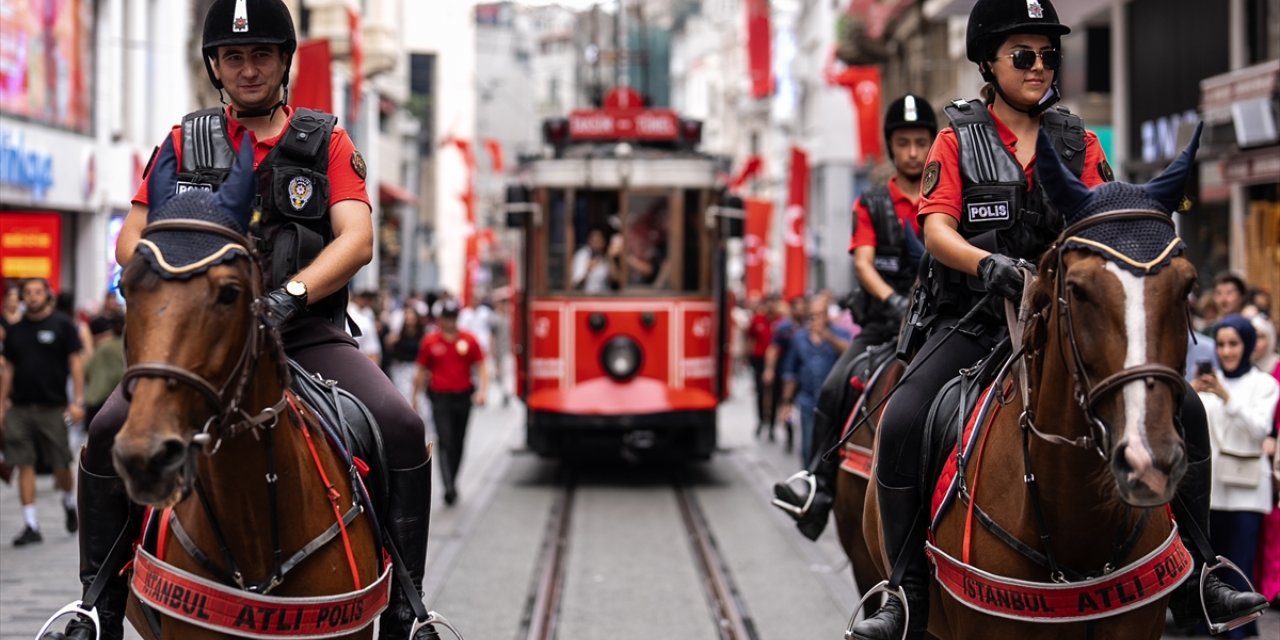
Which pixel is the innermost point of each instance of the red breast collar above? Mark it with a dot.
(856, 460)
(1135, 585)
(207, 604)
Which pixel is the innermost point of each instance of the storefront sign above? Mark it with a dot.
(23, 166)
(30, 245)
(1218, 93)
(1252, 168)
(650, 124)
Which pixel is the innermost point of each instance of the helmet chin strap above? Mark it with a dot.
(267, 111)
(1051, 97)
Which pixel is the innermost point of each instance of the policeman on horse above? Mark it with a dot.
(983, 216)
(314, 233)
(886, 248)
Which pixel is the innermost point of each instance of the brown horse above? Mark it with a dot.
(210, 412)
(1083, 451)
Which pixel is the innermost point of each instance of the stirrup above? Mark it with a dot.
(799, 512)
(433, 618)
(1216, 628)
(893, 592)
(77, 608)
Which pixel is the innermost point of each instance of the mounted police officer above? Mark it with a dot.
(315, 232)
(982, 212)
(886, 248)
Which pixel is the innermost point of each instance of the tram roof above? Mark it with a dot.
(602, 167)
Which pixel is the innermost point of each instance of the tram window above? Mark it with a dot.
(556, 249)
(694, 227)
(641, 252)
(595, 223)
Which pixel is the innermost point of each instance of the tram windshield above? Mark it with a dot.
(603, 242)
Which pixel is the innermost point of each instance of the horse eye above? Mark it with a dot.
(228, 293)
(1078, 293)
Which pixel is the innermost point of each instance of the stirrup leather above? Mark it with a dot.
(77, 608)
(1216, 628)
(799, 512)
(891, 591)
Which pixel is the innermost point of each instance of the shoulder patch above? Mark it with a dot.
(357, 163)
(930, 180)
(1104, 170)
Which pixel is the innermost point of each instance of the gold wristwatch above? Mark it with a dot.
(297, 289)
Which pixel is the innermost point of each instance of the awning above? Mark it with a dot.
(392, 194)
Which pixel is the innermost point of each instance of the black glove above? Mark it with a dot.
(282, 307)
(1001, 275)
(896, 306)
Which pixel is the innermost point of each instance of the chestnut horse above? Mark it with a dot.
(273, 512)
(1083, 452)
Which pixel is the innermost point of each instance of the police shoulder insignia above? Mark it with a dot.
(1104, 170)
(357, 163)
(930, 180)
(1186, 204)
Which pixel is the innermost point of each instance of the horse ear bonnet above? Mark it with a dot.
(1142, 246)
(182, 254)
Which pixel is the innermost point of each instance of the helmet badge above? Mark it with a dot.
(1034, 10)
(240, 19)
(909, 113)
(300, 190)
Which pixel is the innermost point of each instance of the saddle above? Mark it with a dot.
(348, 424)
(948, 414)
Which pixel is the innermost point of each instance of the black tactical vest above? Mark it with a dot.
(293, 191)
(892, 261)
(998, 213)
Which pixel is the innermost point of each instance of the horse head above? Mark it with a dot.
(192, 336)
(1112, 320)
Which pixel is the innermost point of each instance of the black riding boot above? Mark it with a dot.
(1222, 601)
(105, 512)
(899, 509)
(407, 521)
(791, 496)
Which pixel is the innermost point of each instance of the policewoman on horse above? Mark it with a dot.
(983, 214)
(314, 234)
(886, 247)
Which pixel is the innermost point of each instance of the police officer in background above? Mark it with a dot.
(886, 248)
(316, 231)
(981, 212)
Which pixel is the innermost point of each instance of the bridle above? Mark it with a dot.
(229, 417)
(1087, 393)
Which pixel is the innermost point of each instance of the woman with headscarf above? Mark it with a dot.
(1240, 402)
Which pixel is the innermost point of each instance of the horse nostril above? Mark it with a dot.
(171, 456)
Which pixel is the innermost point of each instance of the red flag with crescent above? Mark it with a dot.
(863, 83)
(756, 244)
(793, 231)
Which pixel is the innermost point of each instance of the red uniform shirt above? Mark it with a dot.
(344, 182)
(761, 333)
(947, 195)
(864, 232)
(449, 361)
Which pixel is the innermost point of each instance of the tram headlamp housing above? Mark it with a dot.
(621, 358)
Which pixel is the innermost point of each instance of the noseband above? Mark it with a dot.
(1088, 394)
(228, 416)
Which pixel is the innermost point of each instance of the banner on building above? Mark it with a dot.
(31, 246)
(755, 243)
(357, 60)
(313, 86)
(793, 231)
(863, 83)
(46, 62)
(759, 48)
(750, 169)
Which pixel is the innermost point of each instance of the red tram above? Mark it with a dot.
(620, 333)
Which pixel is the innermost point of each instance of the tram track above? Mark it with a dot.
(541, 619)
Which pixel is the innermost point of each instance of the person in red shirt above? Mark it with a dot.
(445, 363)
(315, 233)
(759, 335)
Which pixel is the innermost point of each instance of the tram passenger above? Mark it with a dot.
(1017, 47)
(886, 248)
(248, 49)
(643, 252)
(591, 267)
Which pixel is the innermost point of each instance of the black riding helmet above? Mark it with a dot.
(909, 112)
(991, 21)
(231, 22)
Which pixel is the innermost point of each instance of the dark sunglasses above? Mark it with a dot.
(1024, 59)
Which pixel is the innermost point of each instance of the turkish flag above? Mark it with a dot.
(863, 83)
(793, 231)
(313, 87)
(756, 244)
(749, 170)
(494, 147)
(758, 48)
(357, 60)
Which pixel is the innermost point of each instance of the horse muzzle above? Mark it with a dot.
(155, 470)
(1146, 480)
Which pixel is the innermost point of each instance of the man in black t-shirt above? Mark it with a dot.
(42, 349)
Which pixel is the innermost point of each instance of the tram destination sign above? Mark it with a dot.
(654, 125)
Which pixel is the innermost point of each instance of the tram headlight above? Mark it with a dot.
(621, 358)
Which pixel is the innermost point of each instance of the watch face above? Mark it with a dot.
(295, 288)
